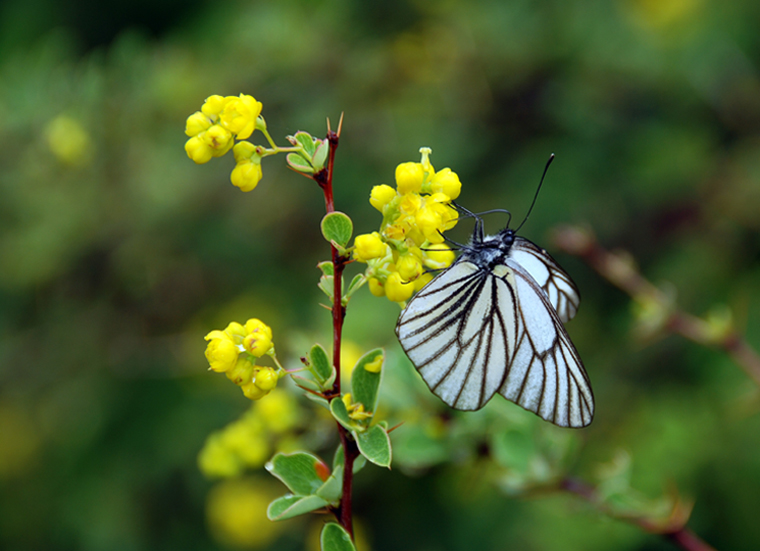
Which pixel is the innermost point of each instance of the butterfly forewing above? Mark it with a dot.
(457, 335)
(562, 292)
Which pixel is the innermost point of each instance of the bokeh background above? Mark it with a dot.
(118, 254)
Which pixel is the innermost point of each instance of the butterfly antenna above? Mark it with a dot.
(477, 232)
(551, 158)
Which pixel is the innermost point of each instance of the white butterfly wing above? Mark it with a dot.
(546, 375)
(562, 292)
(471, 332)
(459, 331)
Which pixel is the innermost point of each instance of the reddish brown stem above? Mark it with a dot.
(350, 451)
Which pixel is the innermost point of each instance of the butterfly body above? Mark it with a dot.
(493, 323)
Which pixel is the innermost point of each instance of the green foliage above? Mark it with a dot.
(335, 538)
(364, 383)
(114, 269)
(337, 228)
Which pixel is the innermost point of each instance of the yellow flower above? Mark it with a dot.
(239, 115)
(218, 139)
(198, 150)
(241, 372)
(410, 203)
(447, 182)
(252, 392)
(421, 281)
(438, 256)
(429, 222)
(381, 196)
(221, 353)
(197, 123)
(409, 177)
(376, 287)
(368, 246)
(398, 290)
(375, 365)
(265, 378)
(246, 175)
(214, 105)
(258, 338)
(409, 266)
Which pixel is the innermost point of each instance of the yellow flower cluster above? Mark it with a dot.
(249, 442)
(214, 129)
(234, 350)
(410, 240)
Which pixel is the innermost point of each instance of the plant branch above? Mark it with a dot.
(619, 269)
(324, 178)
(673, 528)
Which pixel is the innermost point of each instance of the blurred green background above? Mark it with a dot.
(119, 255)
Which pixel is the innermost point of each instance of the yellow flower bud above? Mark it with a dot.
(222, 354)
(257, 344)
(375, 365)
(265, 378)
(244, 151)
(214, 105)
(396, 289)
(255, 325)
(218, 139)
(239, 115)
(438, 256)
(235, 330)
(376, 287)
(409, 267)
(368, 246)
(410, 203)
(246, 175)
(381, 196)
(447, 182)
(198, 151)
(252, 392)
(197, 123)
(409, 177)
(421, 281)
(429, 223)
(242, 372)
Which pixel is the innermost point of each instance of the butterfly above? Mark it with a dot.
(493, 322)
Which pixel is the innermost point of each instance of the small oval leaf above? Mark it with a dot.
(335, 538)
(337, 227)
(375, 445)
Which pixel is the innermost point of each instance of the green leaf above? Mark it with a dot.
(326, 285)
(335, 538)
(291, 506)
(375, 445)
(320, 154)
(320, 365)
(300, 164)
(365, 384)
(339, 411)
(306, 141)
(355, 285)
(337, 227)
(298, 471)
(327, 267)
(332, 488)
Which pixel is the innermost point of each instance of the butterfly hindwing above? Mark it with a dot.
(546, 375)
(558, 286)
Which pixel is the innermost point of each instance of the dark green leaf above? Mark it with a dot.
(339, 411)
(300, 164)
